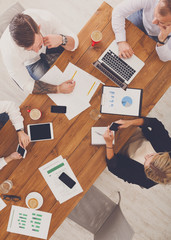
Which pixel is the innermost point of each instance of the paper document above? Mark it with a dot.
(85, 87)
(2, 204)
(51, 172)
(97, 135)
(53, 76)
(29, 222)
(117, 101)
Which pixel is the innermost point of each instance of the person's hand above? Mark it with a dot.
(23, 139)
(66, 87)
(13, 156)
(164, 32)
(108, 137)
(52, 41)
(124, 123)
(125, 50)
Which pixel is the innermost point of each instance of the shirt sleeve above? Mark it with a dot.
(122, 11)
(164, 52)
(3, 163)
(13, 112)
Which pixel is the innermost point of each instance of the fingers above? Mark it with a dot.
(126, 53)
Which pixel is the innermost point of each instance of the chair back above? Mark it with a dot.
(115, 227)
(93, 210)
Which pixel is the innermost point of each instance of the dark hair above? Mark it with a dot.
(166, 8)
(22, 29)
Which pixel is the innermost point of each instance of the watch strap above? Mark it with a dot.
(64, 40)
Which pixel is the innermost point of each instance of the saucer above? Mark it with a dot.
(37, 196)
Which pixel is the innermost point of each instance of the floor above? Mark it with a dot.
(148, 211)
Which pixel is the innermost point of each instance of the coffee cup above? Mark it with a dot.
(34, 200)
(96, 37)
(35, 114)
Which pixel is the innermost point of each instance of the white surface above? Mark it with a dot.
(2, 204)
(51, 172)
(18, 214)
(97, 135)
(112, 101)
(85, 87)
(37, 196)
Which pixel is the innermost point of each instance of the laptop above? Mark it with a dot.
(120, 71)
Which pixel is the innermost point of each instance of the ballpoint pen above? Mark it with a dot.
(99, 133)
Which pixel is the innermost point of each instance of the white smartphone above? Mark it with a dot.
(21, 151)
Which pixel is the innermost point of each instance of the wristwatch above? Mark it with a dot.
(21, 129)
(64, 40)
(165, 41)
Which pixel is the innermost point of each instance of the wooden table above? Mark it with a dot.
(72, 138)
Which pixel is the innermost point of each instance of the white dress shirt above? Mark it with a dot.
(16, 58)
(15, 116)
(125, 9)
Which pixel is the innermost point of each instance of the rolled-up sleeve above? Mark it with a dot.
(2, 163)
(13, 112)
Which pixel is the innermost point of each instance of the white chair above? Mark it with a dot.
(101, 216)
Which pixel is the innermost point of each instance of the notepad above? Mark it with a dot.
(97, 135)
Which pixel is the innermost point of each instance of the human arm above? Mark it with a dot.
(55, 40)
(108, 137)
(16, 118)
(45, 88)
(164, 50)
(128, 123)
(11, 157)
(120, 12)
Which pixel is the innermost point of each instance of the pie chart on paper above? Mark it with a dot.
(127, 101)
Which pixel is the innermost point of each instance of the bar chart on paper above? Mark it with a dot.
(29, 222)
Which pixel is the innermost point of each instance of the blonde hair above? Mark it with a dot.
(159, 169)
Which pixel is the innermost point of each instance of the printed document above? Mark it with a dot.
(29, 222)
(51, 172)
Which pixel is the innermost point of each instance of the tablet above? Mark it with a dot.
(40, 131)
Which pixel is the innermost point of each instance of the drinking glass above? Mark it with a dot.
(95, 114)
(6, 186)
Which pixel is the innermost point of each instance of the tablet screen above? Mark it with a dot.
(38, 132)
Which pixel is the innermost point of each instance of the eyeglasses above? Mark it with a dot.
(11, 197)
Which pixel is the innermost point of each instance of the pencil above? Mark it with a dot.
(91, 88)
(73, 75)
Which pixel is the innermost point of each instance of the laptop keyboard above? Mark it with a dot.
(118, 65)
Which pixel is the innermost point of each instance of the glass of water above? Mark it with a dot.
(95, 114)
(6, 186)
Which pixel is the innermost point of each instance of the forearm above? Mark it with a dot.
(109, 151)
(44, 88)
(137, 122)
(70, 43)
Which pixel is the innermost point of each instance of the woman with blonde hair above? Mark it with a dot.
(145, 159)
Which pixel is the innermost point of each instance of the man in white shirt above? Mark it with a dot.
(17, 120)
(152, 16)
(24, 46)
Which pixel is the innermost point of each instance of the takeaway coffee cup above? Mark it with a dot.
(35, 114)
(96, 37)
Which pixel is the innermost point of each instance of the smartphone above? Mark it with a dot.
(21, 151)
(114, 126)
(58, 109)
(67, 180)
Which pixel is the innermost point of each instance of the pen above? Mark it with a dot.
(73, 75)
(91, 88)
(99, 133)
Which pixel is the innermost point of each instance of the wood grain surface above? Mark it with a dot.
(72, 138)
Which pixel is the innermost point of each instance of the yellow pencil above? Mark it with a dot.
(73, 75)
(91, 88)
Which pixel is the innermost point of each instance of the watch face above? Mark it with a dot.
(64, 40)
